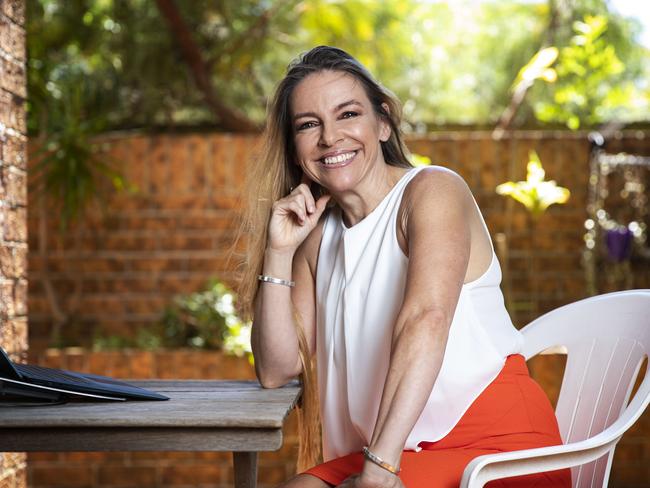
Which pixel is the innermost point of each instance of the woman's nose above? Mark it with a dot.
(329, 135)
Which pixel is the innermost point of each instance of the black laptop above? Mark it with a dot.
(25, 381)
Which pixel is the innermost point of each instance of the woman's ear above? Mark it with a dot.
(384, 130)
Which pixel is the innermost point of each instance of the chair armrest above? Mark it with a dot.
(489, 467)
(516, 463)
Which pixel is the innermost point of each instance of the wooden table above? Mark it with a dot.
(237, 416)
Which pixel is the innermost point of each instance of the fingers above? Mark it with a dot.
(303, 190)
(297, 205)
(321, 204)
(301, 203)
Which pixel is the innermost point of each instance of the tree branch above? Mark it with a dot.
(520, 91)
(231, 119)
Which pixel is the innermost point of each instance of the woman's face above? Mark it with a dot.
(337, 133)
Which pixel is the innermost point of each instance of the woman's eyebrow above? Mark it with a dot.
(336, 109)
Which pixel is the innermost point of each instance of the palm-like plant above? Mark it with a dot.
(535, 193)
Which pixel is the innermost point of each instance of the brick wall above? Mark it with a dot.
(13, 201)
(115, 273)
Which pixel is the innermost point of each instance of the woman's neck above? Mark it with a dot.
(357, 203)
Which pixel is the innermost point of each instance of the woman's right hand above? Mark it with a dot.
(293, 218)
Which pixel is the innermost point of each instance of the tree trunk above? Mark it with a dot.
(229, 118)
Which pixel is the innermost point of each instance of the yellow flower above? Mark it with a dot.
(535, 193)
(419, 160)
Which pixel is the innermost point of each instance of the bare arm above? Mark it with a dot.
(274, 340)
(439, 241)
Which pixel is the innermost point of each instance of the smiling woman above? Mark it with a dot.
(386, 274)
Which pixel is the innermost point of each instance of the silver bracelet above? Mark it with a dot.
(277, 281)
(372, 457)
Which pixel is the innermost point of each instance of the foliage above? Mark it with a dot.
(539, 67)
(449, 62)
(206, 319)
(420, 160)
(202, 320)
(534, 193)
(590, 86)
(67, 91)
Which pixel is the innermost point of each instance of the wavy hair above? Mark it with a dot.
(274, 174)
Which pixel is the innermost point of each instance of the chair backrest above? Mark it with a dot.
(606, 339)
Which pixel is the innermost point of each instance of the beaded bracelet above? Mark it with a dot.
(371, 456)
(277, 281)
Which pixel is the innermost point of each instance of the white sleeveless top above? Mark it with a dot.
(360, 281)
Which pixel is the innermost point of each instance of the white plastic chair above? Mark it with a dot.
(606, 338)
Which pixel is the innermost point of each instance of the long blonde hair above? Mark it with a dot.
(275, 174)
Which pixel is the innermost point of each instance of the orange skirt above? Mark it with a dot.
(512, 413)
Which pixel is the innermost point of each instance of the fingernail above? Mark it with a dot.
(311, 208)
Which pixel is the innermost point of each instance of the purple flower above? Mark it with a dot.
(619, 243)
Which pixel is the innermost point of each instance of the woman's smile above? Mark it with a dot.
(339, 159)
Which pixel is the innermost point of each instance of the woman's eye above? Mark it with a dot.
(306, 125)
(349, 114)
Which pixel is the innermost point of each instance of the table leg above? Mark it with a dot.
(245, 469)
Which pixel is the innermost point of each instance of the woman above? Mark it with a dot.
(387, 274)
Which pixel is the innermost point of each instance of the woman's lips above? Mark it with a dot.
(339, 160)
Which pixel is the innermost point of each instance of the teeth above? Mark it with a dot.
(339, 159)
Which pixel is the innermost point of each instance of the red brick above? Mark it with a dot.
(7, 266)
(182, 201)
(12, 39)
(3, 192)
(42, 457)
(20, 261)
(222, 200)
(218, 171)
(198, 154)
(208, 474)
(272, 475)
(12, 113)
(176, 171)
(142, 364)
(123, 476)
(20, 297)
(129, 242)
(158, 165)
(12, 76)
(242, 156)
(184, 242)
(213, 264)
(133, 155)
(96, 458)
(101, 265)
(166, 365)
(158, 264)
(13, 461)
(69, 476)
(14, 9)
(208, 222)
(139, 304)
(185, 284)
(14, 336)
(7, 299)
(15, 224)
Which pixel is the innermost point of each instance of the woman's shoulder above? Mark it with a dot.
(433, 184)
